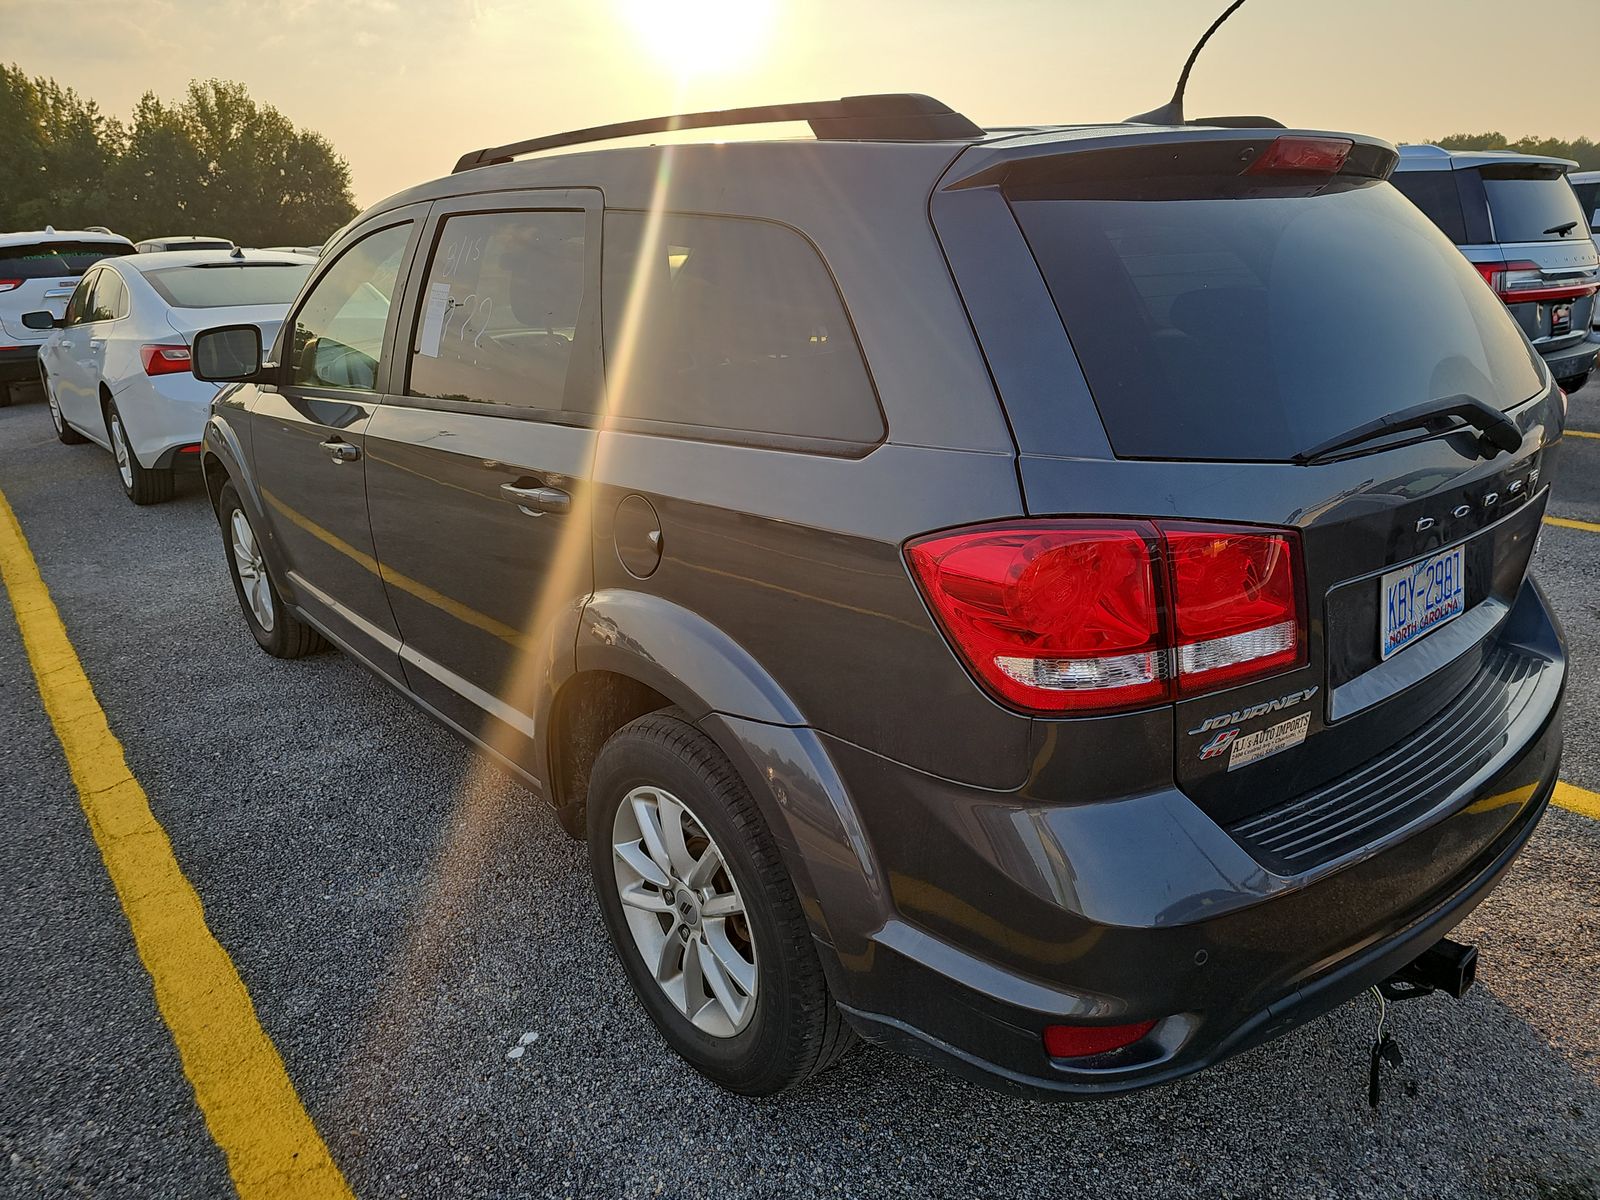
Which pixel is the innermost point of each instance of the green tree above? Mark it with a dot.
(1585, 152)
(215, 162)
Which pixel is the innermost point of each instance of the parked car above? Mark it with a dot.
(1517, 220)
(1054, 601)
(313, 251)
(1587, 185)
(116, 371)
(187, 242)
(38, 270)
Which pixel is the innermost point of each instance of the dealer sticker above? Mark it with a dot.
(1264, 743)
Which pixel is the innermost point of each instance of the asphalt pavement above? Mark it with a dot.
(404, 916)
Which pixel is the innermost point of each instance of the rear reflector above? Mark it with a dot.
(165, 360)
(1302, 156)
(1080, 1041)
(194, 449)
(1522, 282)
(1105, 616)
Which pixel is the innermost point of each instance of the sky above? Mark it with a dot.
(402, 88)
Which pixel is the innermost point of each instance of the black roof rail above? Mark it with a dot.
(892, 117)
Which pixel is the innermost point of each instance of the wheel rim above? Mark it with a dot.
(252, 572)
(119, 446)
(684, 910)
(55, 410)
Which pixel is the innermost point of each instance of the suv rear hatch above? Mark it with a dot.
(1548, 269)
(41, 275)
(1232, 302)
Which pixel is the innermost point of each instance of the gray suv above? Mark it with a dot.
(1517, 219)
(1053, 601)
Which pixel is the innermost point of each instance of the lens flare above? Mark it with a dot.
(701, 37)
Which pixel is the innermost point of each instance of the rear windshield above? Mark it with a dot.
(1251, 328)
(1538, 209)
(1589, 201)
(221, 286)
(43, 260)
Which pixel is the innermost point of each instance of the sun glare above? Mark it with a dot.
(701, 37)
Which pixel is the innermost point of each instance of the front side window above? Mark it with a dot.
(78, 307)
(499, 310)
(338, 332)
(729, 324)
(110, 297)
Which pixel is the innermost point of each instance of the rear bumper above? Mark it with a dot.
(19, 364)
(986, 916)
(1572, 360)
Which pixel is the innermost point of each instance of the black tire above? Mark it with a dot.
(288, 636)
(1573, 383)
(142, 485)
(796, 1030)
(65, 434)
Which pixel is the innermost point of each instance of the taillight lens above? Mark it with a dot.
(1103, 616)
(7, 285)
(1521, 281)
(1302, 156)
(165, 360)
(1235, 604)
(1081, 1041)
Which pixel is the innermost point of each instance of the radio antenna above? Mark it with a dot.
(1171, 113)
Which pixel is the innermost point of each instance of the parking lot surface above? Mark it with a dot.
(404, 917)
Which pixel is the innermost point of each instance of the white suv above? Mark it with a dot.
(38, 270)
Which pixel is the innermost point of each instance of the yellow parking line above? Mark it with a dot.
(250, 1105)
(1583, 433)
(1578, 800)
(1569, 523)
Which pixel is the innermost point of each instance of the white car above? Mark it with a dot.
(116, 371)
(183, 242)
(38, 270)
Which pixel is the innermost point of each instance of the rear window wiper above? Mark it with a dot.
(1563, 230)
(1498, 430)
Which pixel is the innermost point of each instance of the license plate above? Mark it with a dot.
(1561, 318)
(1418, 598)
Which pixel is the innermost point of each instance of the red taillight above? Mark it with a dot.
(1235, 605)
(1102, 616)
(7, 285)
(1302, 156)
(165, 360)
(1521, 281)
(1080, 1041)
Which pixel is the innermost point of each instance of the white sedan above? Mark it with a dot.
(116, 369)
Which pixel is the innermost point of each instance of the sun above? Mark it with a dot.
(701, 37)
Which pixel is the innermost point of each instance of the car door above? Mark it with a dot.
(65, 360)
(105, 305)
(476, 464)
(308, 432)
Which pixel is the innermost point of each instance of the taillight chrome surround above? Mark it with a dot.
(1098, 616)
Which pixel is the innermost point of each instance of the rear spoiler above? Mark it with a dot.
(1118, 153)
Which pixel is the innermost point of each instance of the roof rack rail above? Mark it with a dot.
(892, 117)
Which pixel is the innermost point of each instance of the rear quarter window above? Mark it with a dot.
(1589, 200)
(1435, 193)
(730, 325)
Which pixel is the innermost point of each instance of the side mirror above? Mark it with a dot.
(42, 320)
(227, 354)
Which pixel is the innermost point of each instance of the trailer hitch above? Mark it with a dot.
(1445, 966)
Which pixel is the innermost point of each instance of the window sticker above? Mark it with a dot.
(433, 319)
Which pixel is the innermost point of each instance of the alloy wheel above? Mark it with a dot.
(119, 446)
(252, 571)
(684, 910)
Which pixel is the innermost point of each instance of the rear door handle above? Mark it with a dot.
(536, 501)
(341, 450)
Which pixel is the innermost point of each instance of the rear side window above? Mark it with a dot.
(44, 260)
(1529, 204)
(730, 325)
(1435, 193)
(1252, 328)
(223, 285)
(499, 309)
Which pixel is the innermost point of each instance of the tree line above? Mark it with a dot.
(214, 162)
(1583, 151)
